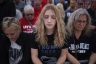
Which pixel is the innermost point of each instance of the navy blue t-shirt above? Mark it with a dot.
(48, 52)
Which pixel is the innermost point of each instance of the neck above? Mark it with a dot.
(77, 34)
(49, 32)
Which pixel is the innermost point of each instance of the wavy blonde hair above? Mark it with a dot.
(59, 29)
(75, 16)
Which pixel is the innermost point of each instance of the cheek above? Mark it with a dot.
(18, 33)
(75, 25)
(54, 23)
(45, 21)
(85, 25)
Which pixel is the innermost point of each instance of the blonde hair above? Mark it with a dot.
(61, 10)
(10, 21)
(59, 31)
(75, 16)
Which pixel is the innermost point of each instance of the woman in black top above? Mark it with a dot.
(49, 46)
(19, 50)
(81, 39)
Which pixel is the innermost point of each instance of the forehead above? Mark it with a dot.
(10, 29)
(83, 17)
(29, 11)
(49, 11)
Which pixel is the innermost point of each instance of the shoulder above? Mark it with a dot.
(91, 34)
(4, 40)
(3, 37)
(34, 44)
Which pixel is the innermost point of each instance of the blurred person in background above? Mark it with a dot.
(55, 2)
(72, 7)
(7, 8)
(61, 10)
(30, 2)
(65, 3)
(50, 1)
(37, 8)
(19, 4)
(84, 3)
(44, 2)
(92, 12)
(19, 14)
(28, 21)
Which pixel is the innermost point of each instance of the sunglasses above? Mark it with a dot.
(10, 20)
(31, 14)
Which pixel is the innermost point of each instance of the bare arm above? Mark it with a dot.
(92, 58)
(34, 56)
(72, 59)
(92, 27)
(62, 57)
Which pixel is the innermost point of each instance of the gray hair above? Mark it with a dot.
(28, 7)
(75, 16)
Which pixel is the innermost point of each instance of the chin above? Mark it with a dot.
(50, 28)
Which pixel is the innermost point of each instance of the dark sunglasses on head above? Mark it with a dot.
(10, 20)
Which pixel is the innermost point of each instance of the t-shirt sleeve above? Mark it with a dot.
(66, 42)
(93, 44)
(65, 45)
(94, 47)
(34, 43)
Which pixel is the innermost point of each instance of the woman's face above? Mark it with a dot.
(49, 19)
(81, 23)
(12, 33)
(29, 15)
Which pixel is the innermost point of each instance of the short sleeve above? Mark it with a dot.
(94, 47)
(34, 43)
(93, 44)
(65, 45)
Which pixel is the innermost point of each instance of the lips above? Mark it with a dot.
(49, 24)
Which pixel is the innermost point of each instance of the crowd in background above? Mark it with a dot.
(68, 27)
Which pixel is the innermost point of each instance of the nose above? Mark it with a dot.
(81, 24)
(49, 19)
